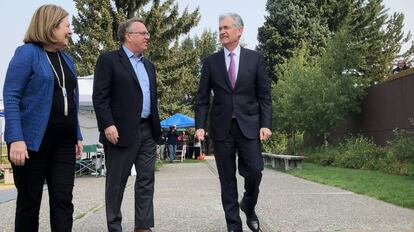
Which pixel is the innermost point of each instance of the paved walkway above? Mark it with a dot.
(188, 199)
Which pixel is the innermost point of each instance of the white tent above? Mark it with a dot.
(87, 118)
(85, 91)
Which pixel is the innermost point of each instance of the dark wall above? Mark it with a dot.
(386, 106)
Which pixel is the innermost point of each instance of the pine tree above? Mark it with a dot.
(94, 26)
(184, 82)
(289, 23)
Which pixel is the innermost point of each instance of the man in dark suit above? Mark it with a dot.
(125, 102)
(240, 117)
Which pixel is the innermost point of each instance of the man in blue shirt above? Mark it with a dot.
(125, 102)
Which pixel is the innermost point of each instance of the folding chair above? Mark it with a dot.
(84, 167)
(180, 154)
(100, 162)
(90, 162)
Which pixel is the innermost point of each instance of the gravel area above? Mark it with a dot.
(187, 198)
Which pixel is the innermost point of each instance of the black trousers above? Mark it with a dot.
(250, 164)
(119, 161)
(197, 152)
(55, 163)
(190, 151)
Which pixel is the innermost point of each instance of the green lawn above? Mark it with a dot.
(398, 190)
(160, 163)
(191, 161)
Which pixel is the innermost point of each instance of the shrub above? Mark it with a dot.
(360, 153)
(401, 148)
(400, 153)
(324, 155)
(277, 144)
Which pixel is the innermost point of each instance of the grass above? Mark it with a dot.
(191, 161)
(79, 216)
(97, 208)
(398, 190)
(158, 165)
(188, 161)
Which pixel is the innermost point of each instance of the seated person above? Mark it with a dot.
(401, 65)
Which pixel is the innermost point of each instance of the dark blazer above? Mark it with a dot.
(250, 101)
(117, 97)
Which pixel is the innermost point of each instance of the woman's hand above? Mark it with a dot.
(79, 149)
(18, 153)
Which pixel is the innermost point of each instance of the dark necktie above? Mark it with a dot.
(232, 71)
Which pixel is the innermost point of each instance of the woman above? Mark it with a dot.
(42, 129)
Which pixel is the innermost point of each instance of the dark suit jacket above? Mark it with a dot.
(117, 97)
(250, 101)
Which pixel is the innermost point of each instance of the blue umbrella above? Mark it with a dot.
(179, 120)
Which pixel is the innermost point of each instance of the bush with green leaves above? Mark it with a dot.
(323, 155)
(312, 97)
(277, 144)
(401, 148)
(360, 153)
(400, 153)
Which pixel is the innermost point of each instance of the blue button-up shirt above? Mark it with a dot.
(137, 63)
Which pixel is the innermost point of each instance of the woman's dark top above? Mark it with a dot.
(66, 125)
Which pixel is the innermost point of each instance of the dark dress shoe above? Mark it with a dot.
(235, 231)
(251, 218)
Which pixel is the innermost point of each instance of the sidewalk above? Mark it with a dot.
(187, 198)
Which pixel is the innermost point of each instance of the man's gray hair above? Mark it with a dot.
(238, 22)
(125, 27)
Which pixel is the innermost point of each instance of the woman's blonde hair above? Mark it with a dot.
(44, 20)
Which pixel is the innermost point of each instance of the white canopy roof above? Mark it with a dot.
(85, 90)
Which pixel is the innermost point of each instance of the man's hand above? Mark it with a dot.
(18, 153)
(111, 134)
(265, 133)
(79, 149)
(199, 134)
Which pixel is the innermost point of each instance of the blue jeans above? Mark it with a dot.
(162, 149)
(171, 151)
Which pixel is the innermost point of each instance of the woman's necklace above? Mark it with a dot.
(63, 87)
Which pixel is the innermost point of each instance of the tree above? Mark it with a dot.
(96, 25)
(95, 29)
(312, 98)
(185, 83)
(290, 23)
(207, 43)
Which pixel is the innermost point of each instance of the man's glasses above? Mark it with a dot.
(143, 33)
